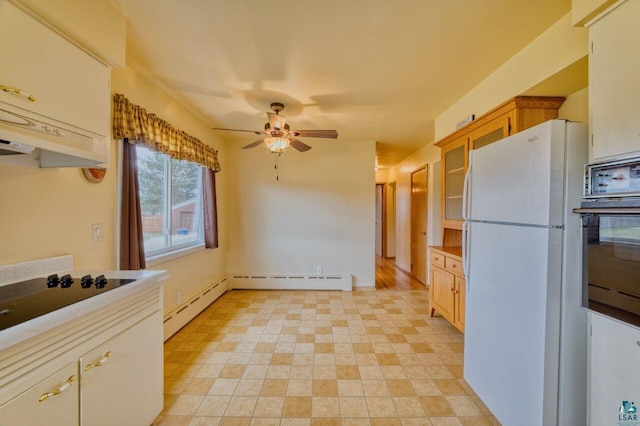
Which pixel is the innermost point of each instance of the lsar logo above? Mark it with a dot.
(628, 414)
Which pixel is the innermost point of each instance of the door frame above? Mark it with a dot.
(383, 217)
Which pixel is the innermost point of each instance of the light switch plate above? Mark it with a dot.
(96, 232)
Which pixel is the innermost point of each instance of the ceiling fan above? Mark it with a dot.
(277, 136)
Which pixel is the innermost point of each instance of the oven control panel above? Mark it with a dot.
(619, 178)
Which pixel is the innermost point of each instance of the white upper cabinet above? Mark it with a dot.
(66, 84)
(614, 82)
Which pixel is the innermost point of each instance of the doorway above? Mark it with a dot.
(380, 220)
(419, 224)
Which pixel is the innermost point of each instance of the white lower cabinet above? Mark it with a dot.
(51, 402)
(103, 368)
(120, 378)
(614, 380)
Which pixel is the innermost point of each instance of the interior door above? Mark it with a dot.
(419, 224)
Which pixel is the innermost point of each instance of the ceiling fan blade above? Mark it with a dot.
(254, 144)
(276, 121)
(333, 134)
(238, 130)
(299, 145)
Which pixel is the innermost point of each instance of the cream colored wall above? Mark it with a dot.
(190, 273)
(401, 175)
(555, 49)
(48, 212)
(584, 10)
(320, 213)
(576, 107)
(97, 25)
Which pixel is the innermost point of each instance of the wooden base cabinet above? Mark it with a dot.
(447, 285)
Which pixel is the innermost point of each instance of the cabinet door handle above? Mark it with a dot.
(59, 390)
(99, 363)
(638, 343)
(17, 92)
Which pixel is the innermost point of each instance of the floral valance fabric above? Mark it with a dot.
(136, 124)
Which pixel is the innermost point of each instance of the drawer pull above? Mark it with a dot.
(17, 92)
(103, 360)
(58, 391)
(638, 343)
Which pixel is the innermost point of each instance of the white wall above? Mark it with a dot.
(190, 273)
(320, 213)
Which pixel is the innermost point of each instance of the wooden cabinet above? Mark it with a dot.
(447, 285)
(454, 166)
(54, 401)
(447, 281)
(513, 116)
(614, 354)
(55, 78)
(614, 86)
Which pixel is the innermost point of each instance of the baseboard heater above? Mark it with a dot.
(181, 314)
(342, 282)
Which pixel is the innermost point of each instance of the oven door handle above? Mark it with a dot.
(608, 211)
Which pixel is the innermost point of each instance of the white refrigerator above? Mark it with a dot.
(525, 331)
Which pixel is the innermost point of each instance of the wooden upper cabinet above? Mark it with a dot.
(493, 131)
(454, 166)
(511, 117)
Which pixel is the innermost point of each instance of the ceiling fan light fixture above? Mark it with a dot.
(276, 144)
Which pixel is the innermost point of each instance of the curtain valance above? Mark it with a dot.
(133, 122)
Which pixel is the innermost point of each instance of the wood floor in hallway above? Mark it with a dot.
(390, 277)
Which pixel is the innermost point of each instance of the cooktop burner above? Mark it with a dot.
(30, 299)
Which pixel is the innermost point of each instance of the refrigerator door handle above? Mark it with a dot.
(466, 190)
(466, 228)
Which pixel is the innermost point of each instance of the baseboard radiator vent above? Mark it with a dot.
(342, 282)
(181, 314)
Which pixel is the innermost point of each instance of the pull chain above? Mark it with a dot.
(276, 167)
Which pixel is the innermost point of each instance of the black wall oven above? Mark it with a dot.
(611, 239)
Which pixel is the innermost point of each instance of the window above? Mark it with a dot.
(171, 202)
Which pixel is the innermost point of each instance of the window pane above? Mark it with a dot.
(152, 168)
(185, 203)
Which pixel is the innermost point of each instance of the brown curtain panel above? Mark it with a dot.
(131, 240)
(134, 123)
(210, 208)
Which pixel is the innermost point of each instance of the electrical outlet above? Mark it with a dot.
(318, 269)
(96, 232)
(178, 297)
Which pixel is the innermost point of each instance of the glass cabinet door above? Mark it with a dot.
(454, 170)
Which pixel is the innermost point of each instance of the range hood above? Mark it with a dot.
(27, 139)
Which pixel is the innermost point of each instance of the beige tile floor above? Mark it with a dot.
(318, 358)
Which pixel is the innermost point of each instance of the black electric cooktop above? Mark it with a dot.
(30, 299)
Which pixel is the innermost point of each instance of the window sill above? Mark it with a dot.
(165, 257)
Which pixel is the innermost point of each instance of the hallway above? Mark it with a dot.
(390, 277)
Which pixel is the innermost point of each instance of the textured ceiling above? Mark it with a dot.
(372, 69)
